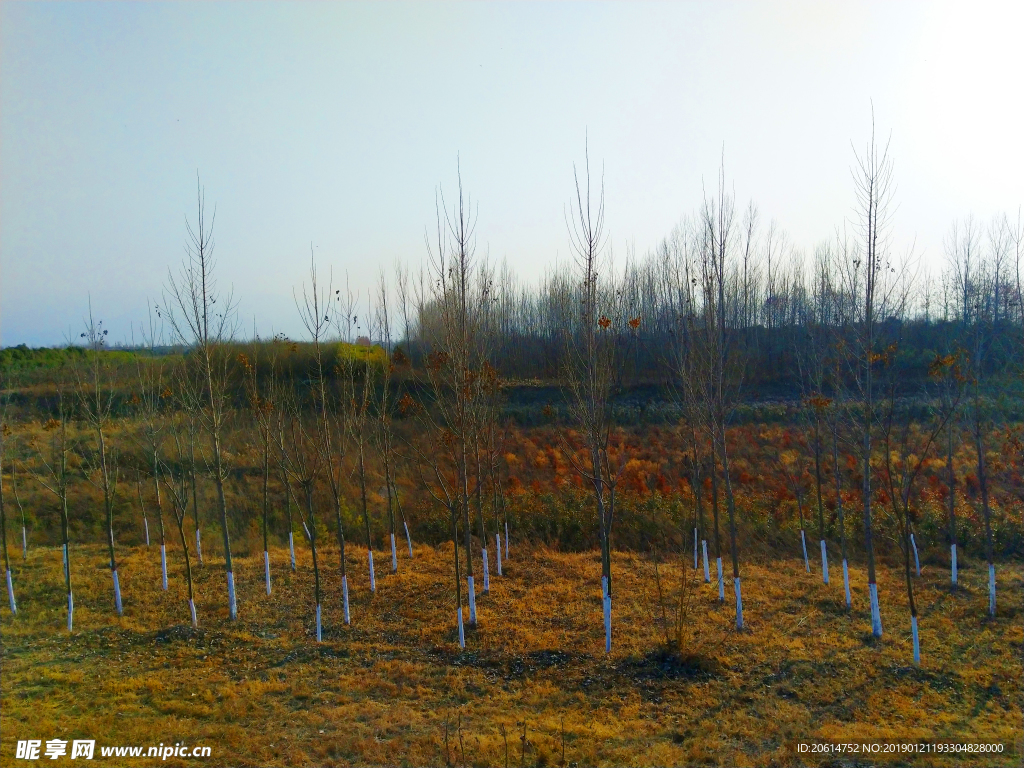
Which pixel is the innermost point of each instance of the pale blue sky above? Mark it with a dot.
(333, 123)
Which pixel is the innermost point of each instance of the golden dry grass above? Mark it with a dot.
(261, 691)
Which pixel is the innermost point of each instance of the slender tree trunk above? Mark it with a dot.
(876, 616)
(218, 470)
(142, 507)
(951, 487)
(699, 493)
(478, 493)
(160, 521)
(458, 576)
(910, 581)
(3, 535)
(308, 487)
(821, 507)
(288, 514)
(366, 515)
(733, 540)
(392, 522)
(188, 563)
(837, 478)
(67, 554)
(467, 528)
(21, 508)
(341, 554)
(986, 512)
(405, 523)
(108, 504)
(803, 536)
(266, 505)
(714, 509)
(195, 497)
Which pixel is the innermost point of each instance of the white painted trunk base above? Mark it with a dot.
(739, 602)
(408, 538)
(917, 562)
(373, 578)
(71, 610)
(991, 589)
(394, 555)
(497, 542)
(824, 562)
(487, 573)
(192, 611)
(199, 547)
(952, 552)
(917, 641)
(163, 566)
(462, 630)
(607, 624)
(232, 605)
(846, 583)
(695, 549)
(10, 594)
(344, 597)
(266, 569)
(117, 594)
(291, 549)
(707, 571)
(319, 629)
(145, 524)
(721, 584)
(803, 544)
(472, 603)
(876, 615)
(604, 587)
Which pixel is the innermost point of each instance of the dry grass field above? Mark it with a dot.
(394, 689)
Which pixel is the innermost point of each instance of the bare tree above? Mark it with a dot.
(906, 449)
(261, 396)
(303, 459)
(973, 279)
(96, 397)
(178, 490)
(726, 356)
(839, 411)
(5, 443)
(384, 408)
(151, 391)
(815, 365)
(315, 313)
(359, 373)
(20, 508)
(870, 271)
(453, 335)
(438, 469)
(687, 363)
(197, 323)
(590, 369)
(57, 469)
(280, 446)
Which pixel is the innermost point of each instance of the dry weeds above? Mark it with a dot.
(261, 692)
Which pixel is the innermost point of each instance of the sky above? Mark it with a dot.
(326, 129)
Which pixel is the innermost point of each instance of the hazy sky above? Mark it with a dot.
(334, 123)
